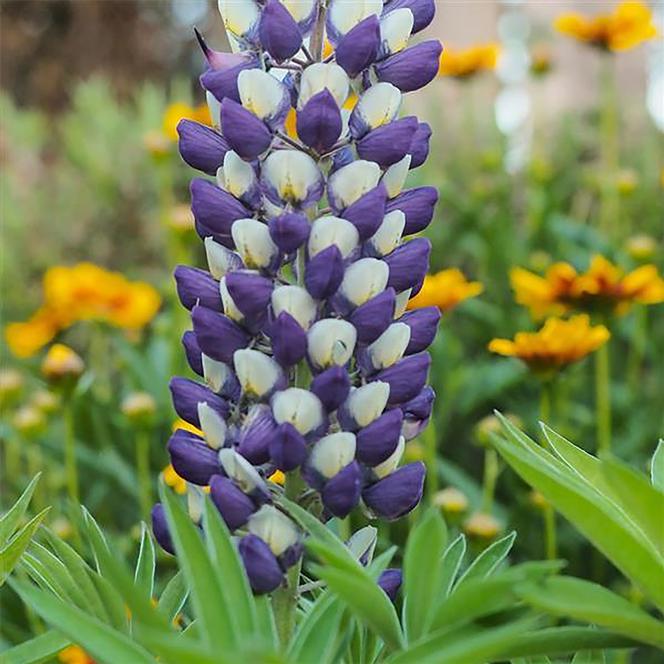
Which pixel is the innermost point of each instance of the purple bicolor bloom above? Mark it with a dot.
(251, 293)
(367, 212)
(192, 458)
(406, 378)
(331, 387)
(160, 529)
(423, 324)
(379, 439)
(358, 48)
(341, 493)
(390, 143)
(187, 394)
(418, 205)
(233, 504)
(287, 447)
(372, 318)
(279, 33)
(217, 335)
(193, 352)
(408, 263)
(289, 340)
(423, 11)
(247, 134)
(195, 286)
(319, 122)
(289, 231)
(201, 147)
(397, 494)
(419, 147)
(262, 567)
(412, 68)
(390, 581)
(324, 272)
(257, 431)
(416, 412)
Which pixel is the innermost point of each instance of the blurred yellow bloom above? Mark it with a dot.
(11, 384)
(464, 63)
(47, 402)
(74, 655)
(445, 290)
(641, 247)
(627, 26)
(26, 338)
(28, 420)
(183, 424)
(172, 479)
(61, 362)
(451, 501)
(544, 295)
(626, 181)
(557, 344)
(139, 407)
(277, 477)
(180, 111)
(541, 60)
(482, 526)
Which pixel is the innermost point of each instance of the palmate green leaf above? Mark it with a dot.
(421, 570)
(657, 466)
(12, 551)
(103, 642)
(207, 594)
(596, 517)
(317, 634)
(487, 561)
(10, 520)
(451, 564)
(145, 564)
(41, 648)
(583, 600)
(173, 597)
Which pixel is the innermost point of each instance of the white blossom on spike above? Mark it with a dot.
(364, 279)
(297, 302)
(331, 342)
(299, 407)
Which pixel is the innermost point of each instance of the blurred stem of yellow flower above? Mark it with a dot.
(637, 349)
(603, 399)
(490, 477)
(608, 140)
(71, 467)
(142, 443)
(548, 514)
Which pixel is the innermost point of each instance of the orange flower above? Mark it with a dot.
(554, 346)
(464, 63)
(180, 111)
(445, 290)
(74, 655)
(25, 339)
(544, 295)
(629, 25)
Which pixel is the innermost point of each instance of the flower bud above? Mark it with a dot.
(62, 364)
(139, 408)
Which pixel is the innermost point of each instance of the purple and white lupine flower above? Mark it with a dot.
(310, 363)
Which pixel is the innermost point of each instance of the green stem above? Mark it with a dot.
(430, 439)
(143, 472)
(71, 469)
(13, 460)
(490, 478)
(609, 203)
(603, 399)
(549, 516)
(638, 348)
(99, 354)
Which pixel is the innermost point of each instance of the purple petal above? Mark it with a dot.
(372, 318)
(217, 335)
(279, 33)
(406, 378)
(289, 231)
(160, 529)
(331, 387)
(221, 79)
(324, 273)
(187, 394)
(389, 143)
(379, 439)
(196, 286)
(417, 412)
(418, 205)
(289, 340)
(287, 448)
(419, 147)
(423, 11)
(319, 122)
(248, 135)
(193, 352)
(398, 493)
(251, 293)
(341, 493)
(358, 48)
(412, 68)
(423, 324)
(367, 212)
(262, 567)
(257, 431)
(201, 147)
(234, 506)
(215, 211)
(192, 459)
(291, 555)
(341, 158)
(390, 581)
(408, 264)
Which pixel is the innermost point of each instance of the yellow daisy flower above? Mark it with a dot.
(465, 63)
(445, 290)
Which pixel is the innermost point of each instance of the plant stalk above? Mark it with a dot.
(143, 472)
(609, 201)
(603, 399)
(549, 516)
(491, 469)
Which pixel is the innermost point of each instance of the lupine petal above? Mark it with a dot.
(327, 231)
(196, 286)
(423, 325)
(160, 529)
(262, 568)
(287, 447)
(324, 273)
(412, 68)
(418, 205)
(377, 106)
(220, 259)
(289, 176)
(367, 212)
(254, 244)
(323, 76)
(251, 292)
(289, 340)
(257, 431)
(363, 280)
(331, 454)
(193, 352)
(279, 33)
(390, 581)
(394, 177)
(342, 16)
(358, 48)
(298, 407)
(423, 11)
(408, 263)
(319, 122)
(295, 301)
(373, 317)
(389, 143)
(342, 493)
(222, 83)
(416, 412)
(238, 178)
(398, 493)
(188, 393)
(349, 183)
(192, 459)
(364, 405)
(395, 29)
(330, 342)
(201, 146)
(259, 374)
(264, 95)
(248, 135)
(378, 440)
(234, 506)
(331, 387)
(289, 231)
(217, 335)
(419, 147)
(388, 235)
(406, 378)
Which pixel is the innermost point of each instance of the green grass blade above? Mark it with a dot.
(318, 633)
(173, 597)
(657, 466)
(41, 648)
(145, 564)
(13, 550)
(10, 520)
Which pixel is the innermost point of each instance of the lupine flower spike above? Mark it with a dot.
(308, 366)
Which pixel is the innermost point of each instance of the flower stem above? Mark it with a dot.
(71, 469)
(316, 44)
(490, 478)
(603, 398)
(637, 349)
(549, 516)
(143, 472)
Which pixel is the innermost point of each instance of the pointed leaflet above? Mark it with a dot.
(145, 564)
(9, 521)
(10, 554)
(487, 561)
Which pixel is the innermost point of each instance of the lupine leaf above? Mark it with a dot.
(145, 564)
(421, 570)
(43, 576)
(318, 632)
(10, 520)
(101, 641)
(265, 621)
(113, 603)
(450, 564)
(207, 595)
(487, 561)
(380, 563)
(12, 551)
(173, 597)
(38, 649)
(583, 600)
(657, 466)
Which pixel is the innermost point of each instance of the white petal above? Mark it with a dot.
(364, 279)
(195, 502)
(214, 106)
(390, 346)
(212, 425)
(326, 231)
(331, 342)
(240, 470)
(379, 105)
(253, 242)
(239, 16)
(332, 453)
(220, 259)
(299, 407)
(345, 15)
(366, 403)
(388, 235)
(350, 182)
(390, 464)
(291, 173)
(395, 176)
(230, 308)
(299, 9)
(236, 176)
(261, 93)
(295, 301)
(395, 29)
(274, 528)
(363, 542)
(402, 303)
(319, 76)
(258, 373)
(216, 373)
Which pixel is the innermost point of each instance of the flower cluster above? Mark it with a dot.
(445, 289)
(557, 344)
(83, 292)
(603, 288)
(310, 362)
(463, 64)
(630, 24)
